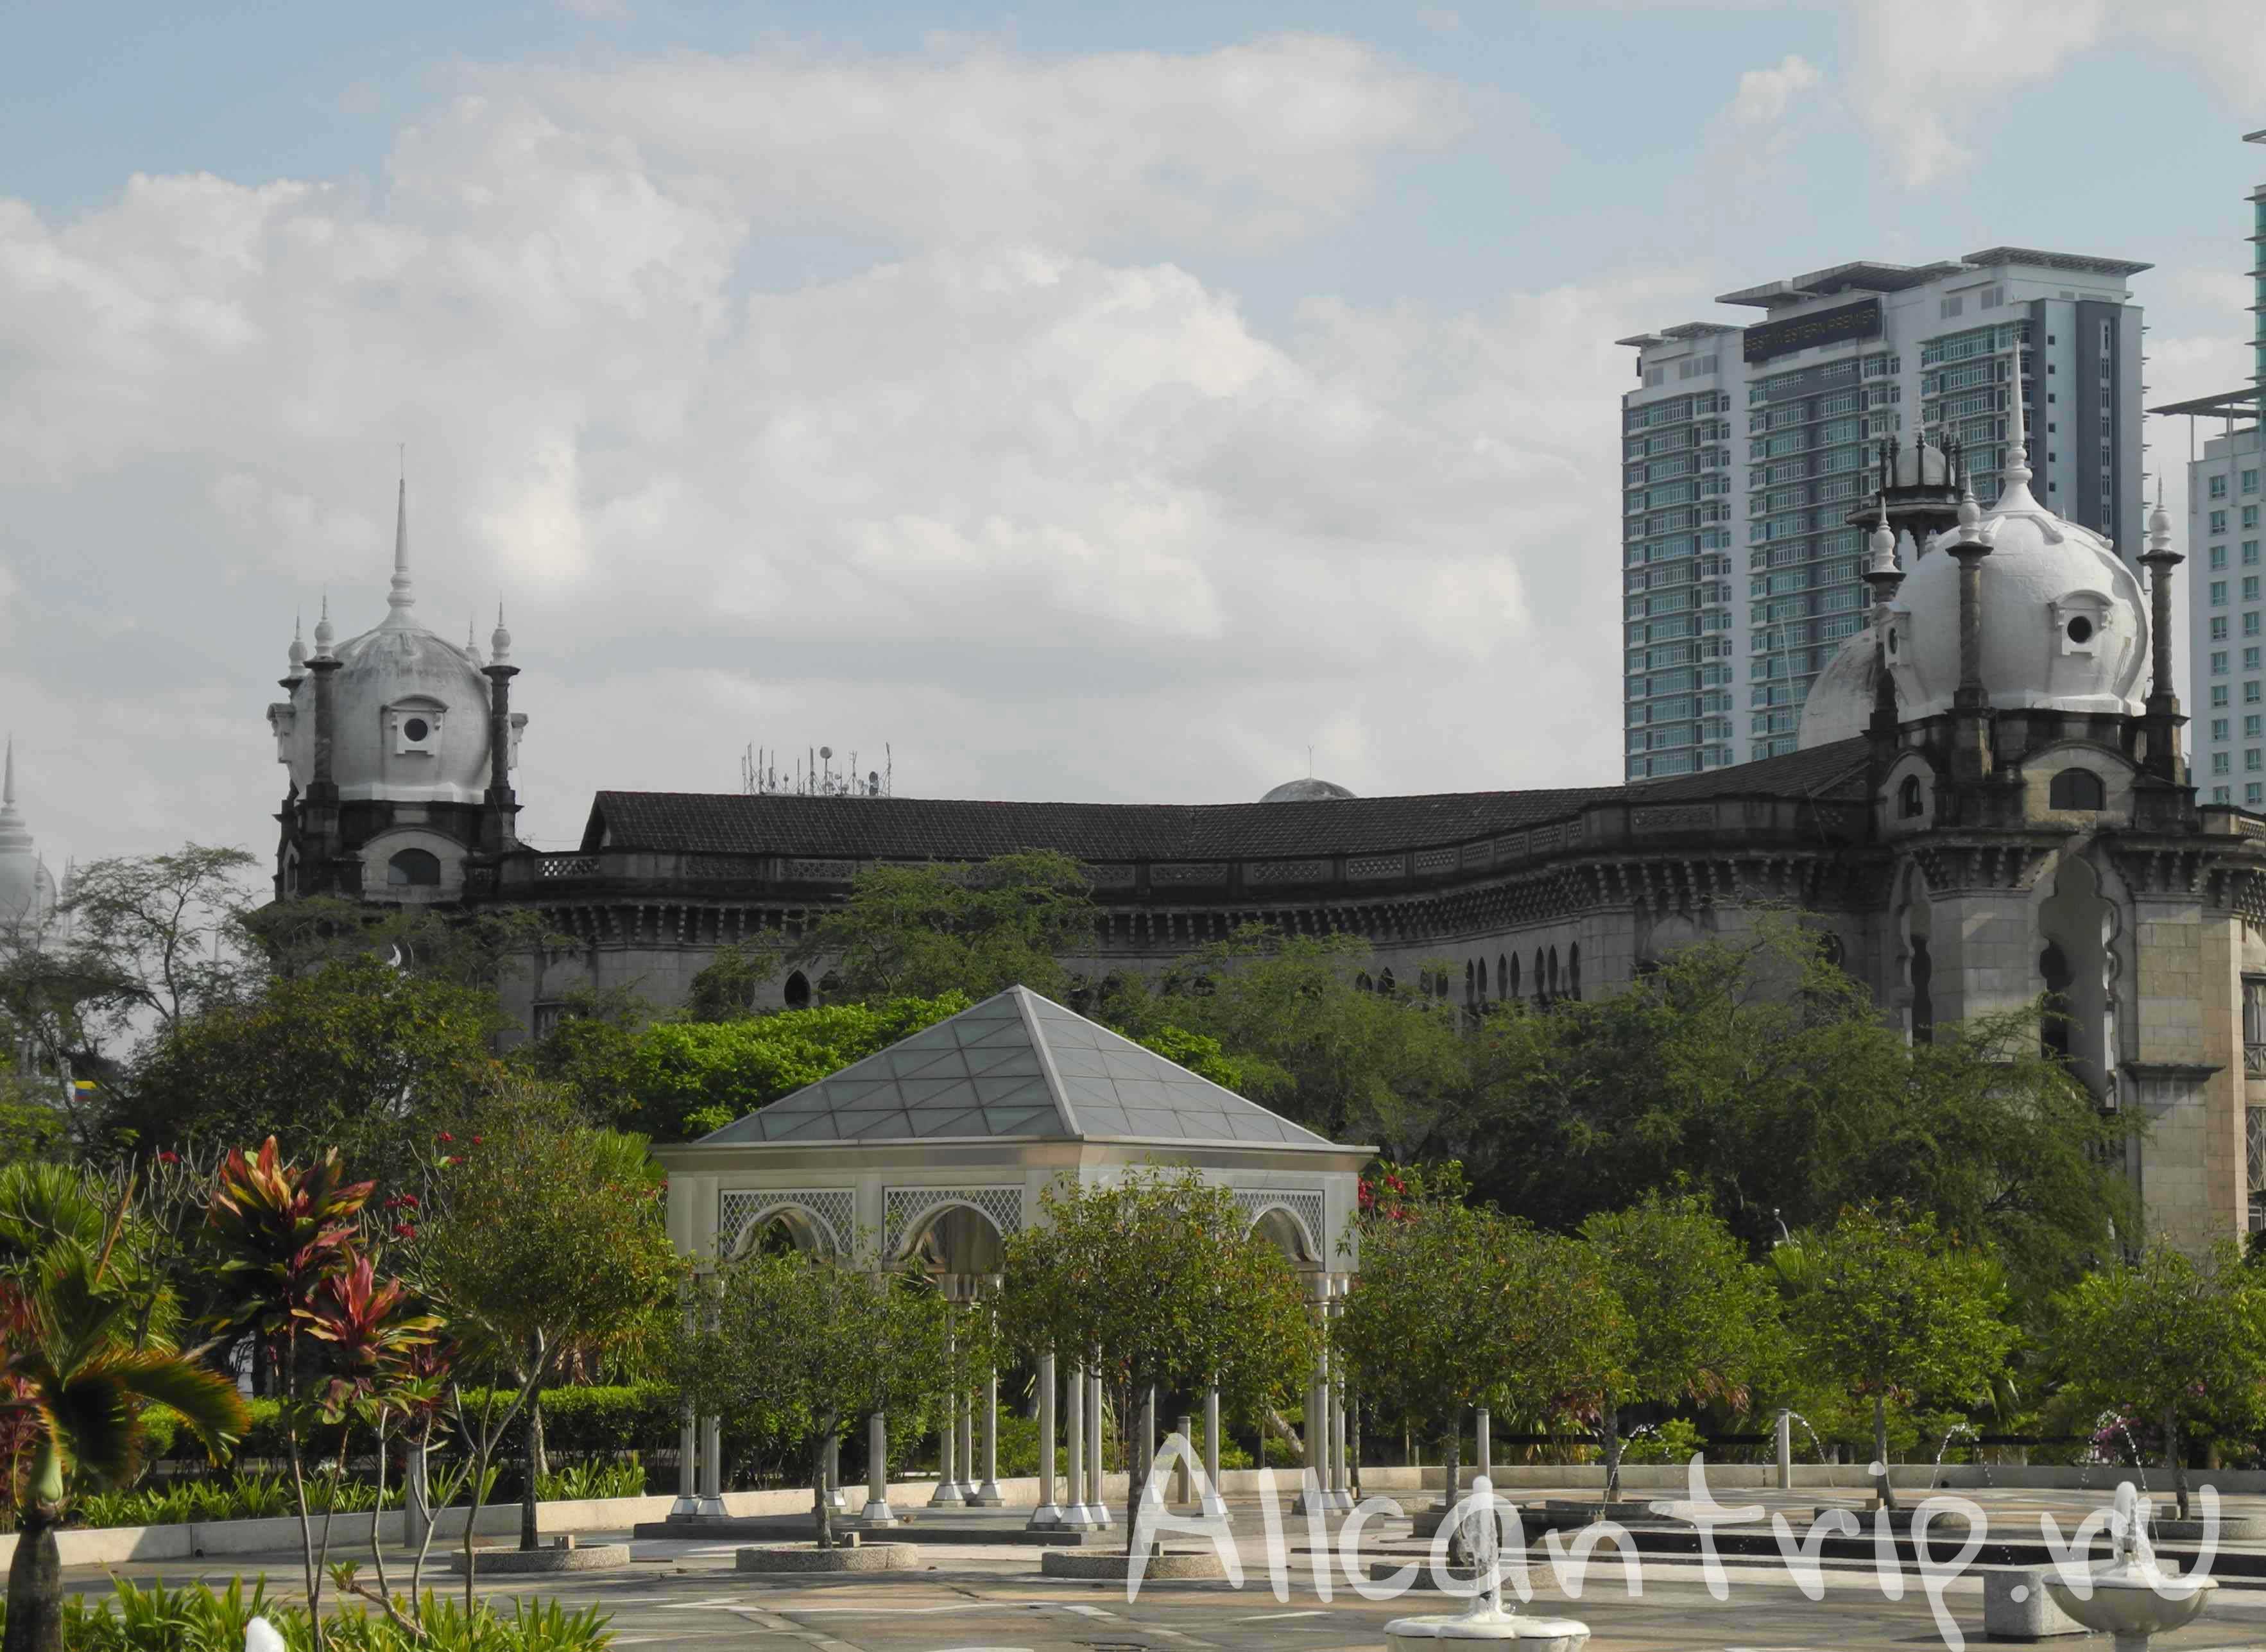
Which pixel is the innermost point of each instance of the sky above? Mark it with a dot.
(1143, 404)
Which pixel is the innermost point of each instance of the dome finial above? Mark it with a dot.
(8, 785)
(2014, 484)
(2159, 520)
(1882, 541)
(499, 644)
(297, 652)
(400, 600)
(323, 632)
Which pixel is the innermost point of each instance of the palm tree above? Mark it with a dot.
(85, 1342)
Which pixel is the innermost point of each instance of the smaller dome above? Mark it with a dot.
(1306, 790)
(1839, 704)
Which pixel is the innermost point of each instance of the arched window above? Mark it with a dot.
(797, 992)
(1909, 804)
(1471, 981)
(1506, 979)
(1483, 987)
(1364, 983)
(1385, 984)
(2053, 966)
(1923, 1010)
(1553, 972)
(413, 869)
(2077, 788)
(1574, 970)
(1541, 982)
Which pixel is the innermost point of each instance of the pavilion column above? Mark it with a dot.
(1485, 1424)
(1074, 1512)
(1213, 1501)
(988, 1495)
(1097, 1504)
(688, 1466)
(878, 1512)
(1313, 1496)
(1339, 1497)
(1047, 1513)
(948, 1493)
(965, 1401)
(712, 1466)
(835, 1500)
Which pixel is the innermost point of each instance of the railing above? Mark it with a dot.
(2254, 1061)
(566, 867)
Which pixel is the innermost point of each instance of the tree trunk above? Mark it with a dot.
(1609, 1425)
(531, 1436)
(1136, 1471)
(2173, 1445)
(821, 1506)
(35, 1589)
(1888, 1491)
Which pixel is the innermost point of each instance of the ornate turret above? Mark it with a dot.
(1918, 490)
(2160, 724)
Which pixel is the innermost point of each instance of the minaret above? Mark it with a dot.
(2161, 720)
(1884, 577)
(1970, 706)
(502, 809)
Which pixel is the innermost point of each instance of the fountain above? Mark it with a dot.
(1483, 1619)
(2131, 1597)
(1974, 1440)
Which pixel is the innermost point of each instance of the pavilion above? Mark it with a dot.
(937, 1151)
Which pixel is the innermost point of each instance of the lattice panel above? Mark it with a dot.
(832, 1210)
(903, 1208)
(1306, 1209)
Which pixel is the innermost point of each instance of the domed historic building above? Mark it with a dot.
(1989, 804)
(401, 746)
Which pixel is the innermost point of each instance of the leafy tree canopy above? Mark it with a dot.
(918, 931)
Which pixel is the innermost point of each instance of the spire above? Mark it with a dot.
(8, 784)
(298, 650)
(15, 838)
(323, 632)
(399, 601)
(1883, 542)
(471, 647)
(499, 644)
(2160, 521)
(2014, 484)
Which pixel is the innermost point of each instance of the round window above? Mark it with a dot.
(2080, 629)
(416, 729)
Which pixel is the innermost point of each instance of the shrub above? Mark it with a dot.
(194, 1619)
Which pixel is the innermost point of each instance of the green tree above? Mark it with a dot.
(1704, 1319)
(1762, 1075)
(1894, 1308)
(86, 1342)
(687, 1079)
(591, 1054)
(814, 1342)
(920, 931)
(1154, 1283)
(169, 925)
(465, 949)
(1347, 1060)
(2177, 1339)
(354, 1053)
(540, 1235)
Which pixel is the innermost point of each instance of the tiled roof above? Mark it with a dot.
(956, 829)
(1016, 1066)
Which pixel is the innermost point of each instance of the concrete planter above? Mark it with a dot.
(1202, 1565)
(866, 1557)
(527, 1562)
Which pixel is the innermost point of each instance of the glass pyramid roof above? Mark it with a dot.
(1016, 1066)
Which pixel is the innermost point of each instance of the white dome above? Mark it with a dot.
(1306, 790)
(1840, 702)
(2064, 621)
(411, 710)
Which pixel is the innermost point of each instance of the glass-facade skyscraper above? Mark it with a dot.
(1745, 450)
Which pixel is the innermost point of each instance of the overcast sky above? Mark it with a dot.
(1102, 402)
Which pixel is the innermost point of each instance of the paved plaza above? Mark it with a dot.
(989, 1598)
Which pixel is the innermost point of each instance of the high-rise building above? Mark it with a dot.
(1745, 451)
(2226, 686)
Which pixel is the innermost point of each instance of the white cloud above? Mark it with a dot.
(1058, 519)
(1765, 94)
